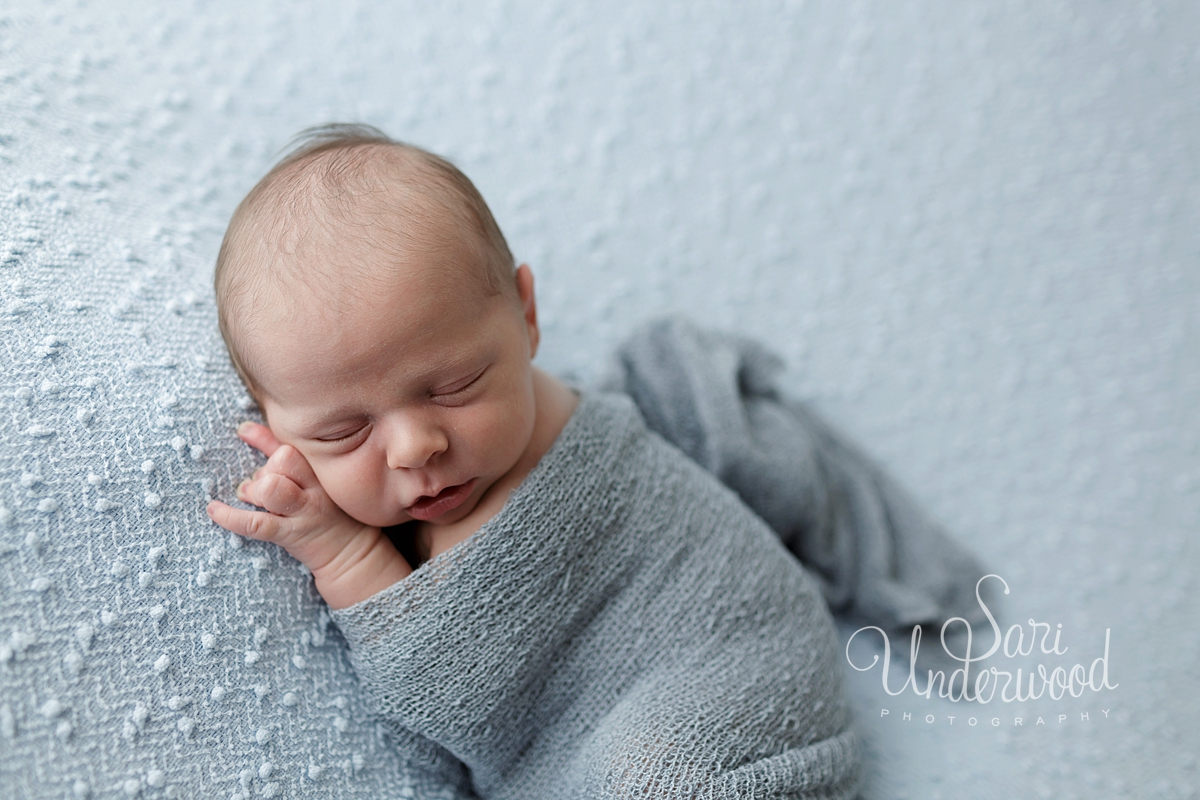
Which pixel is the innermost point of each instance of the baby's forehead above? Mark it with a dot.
(337, 309)
(348, 258)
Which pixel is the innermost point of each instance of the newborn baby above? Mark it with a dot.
(574, 609)
(369, 302)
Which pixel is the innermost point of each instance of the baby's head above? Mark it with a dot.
(371, 305)
(342, 188)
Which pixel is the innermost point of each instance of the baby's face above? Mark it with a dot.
(410, 397)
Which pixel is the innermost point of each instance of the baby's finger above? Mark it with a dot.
(259, 437)
(287, 461)
(277, 493)
(253, 524)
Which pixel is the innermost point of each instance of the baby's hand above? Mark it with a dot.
(349, 561)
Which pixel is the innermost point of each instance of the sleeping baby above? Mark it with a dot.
(542, 598)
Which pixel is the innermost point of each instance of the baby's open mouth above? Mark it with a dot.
(428, 508)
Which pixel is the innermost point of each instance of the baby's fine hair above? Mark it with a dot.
(340, 153)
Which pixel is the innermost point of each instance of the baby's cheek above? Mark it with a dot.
(350, 489)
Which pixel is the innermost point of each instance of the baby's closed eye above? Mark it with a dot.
(459, 389)
(343, 436)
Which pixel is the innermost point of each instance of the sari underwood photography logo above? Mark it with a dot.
(1026, 663)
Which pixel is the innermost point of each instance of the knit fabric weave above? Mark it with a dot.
(624, 627)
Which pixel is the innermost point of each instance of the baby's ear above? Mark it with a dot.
(525, 292)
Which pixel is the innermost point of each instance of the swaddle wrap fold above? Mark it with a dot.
(624, 627)
(878, 555)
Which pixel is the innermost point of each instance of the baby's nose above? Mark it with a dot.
(411, 445)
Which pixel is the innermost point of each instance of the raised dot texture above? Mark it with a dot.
(73, 663)
(20, 641)
(84, 634)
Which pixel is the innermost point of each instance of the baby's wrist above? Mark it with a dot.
(365, 566)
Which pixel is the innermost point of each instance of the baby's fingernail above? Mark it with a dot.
(241, 487)
(243, 427)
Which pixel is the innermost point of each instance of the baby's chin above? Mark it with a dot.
(377, 517)
(404, 518)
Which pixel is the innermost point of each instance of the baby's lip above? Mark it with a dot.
(433, 489)
(430, 507)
